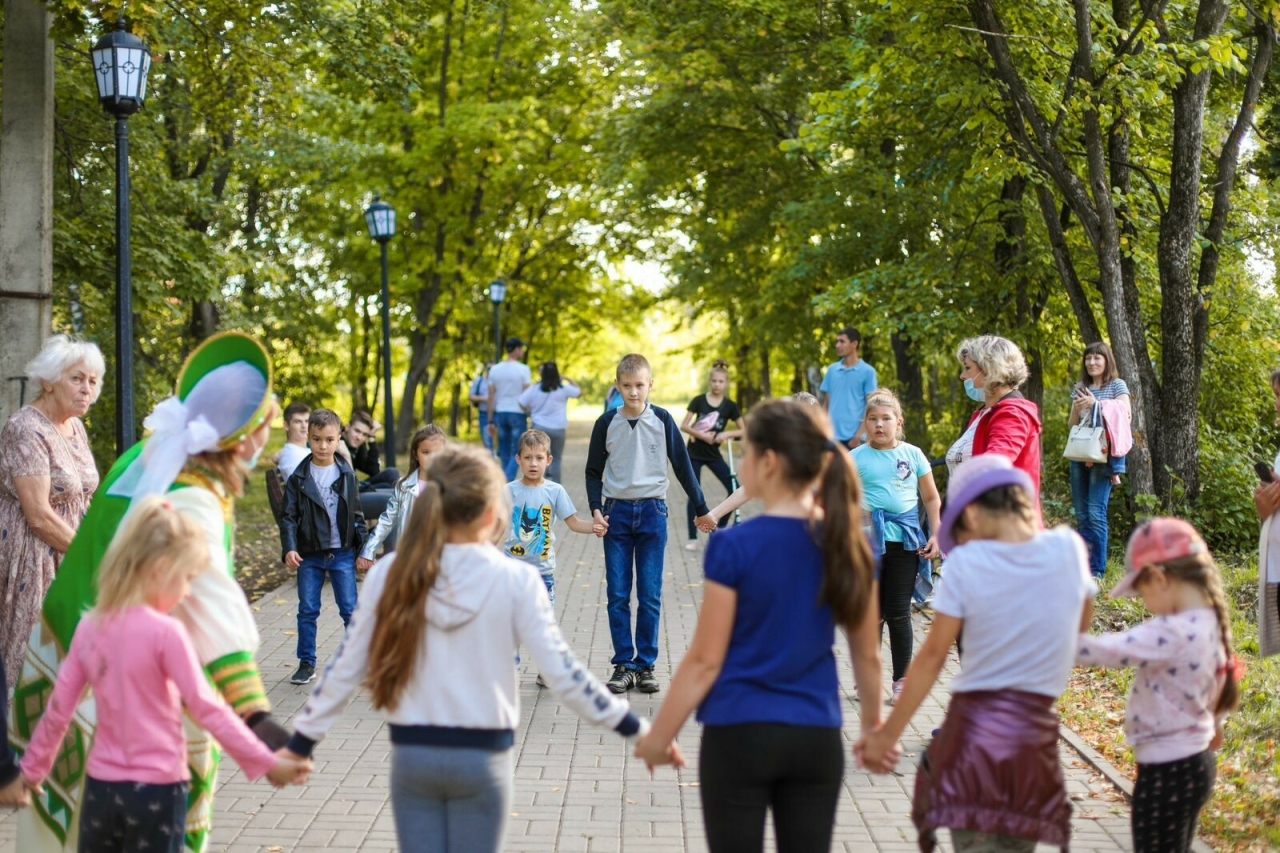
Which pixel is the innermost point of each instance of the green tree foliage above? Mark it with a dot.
(1042, 171)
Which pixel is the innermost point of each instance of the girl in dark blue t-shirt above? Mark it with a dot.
(761, 670)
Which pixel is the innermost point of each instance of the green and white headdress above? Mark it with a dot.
(223, 395)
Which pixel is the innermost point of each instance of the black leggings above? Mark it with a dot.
(1167, 800)
(124, 817)
(721, 469)
(748, 770)
(898, 571)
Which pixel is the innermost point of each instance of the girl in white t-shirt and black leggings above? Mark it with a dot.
(1018, 597)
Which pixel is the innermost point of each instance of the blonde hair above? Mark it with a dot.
(154, 536)
(885, 399)
(633, 363)
(461, 484)
(1201, 571)
(998, 358)
(721, 366)
(430, 432)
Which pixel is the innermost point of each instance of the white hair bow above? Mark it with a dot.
(176, 435)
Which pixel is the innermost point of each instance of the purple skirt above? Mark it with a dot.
(994, 767)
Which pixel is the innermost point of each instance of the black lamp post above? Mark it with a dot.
(497, 293)
(381, 218)
(121, 61)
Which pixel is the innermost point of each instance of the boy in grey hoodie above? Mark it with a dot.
(627, 482)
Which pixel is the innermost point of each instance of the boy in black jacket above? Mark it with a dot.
(322, 531)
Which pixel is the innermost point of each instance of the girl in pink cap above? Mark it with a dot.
(1017, 597)
(1185, 683)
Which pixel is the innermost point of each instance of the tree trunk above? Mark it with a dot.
(766, 380)
(911, 388)
(433, 387)
(455, 409)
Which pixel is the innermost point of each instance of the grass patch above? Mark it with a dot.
(1243, 813)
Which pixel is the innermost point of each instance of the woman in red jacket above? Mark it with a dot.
(1007, 423)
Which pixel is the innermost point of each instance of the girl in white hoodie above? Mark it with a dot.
(434, 639)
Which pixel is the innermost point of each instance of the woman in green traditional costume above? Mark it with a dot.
(203, 441)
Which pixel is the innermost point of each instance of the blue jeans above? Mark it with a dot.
(484, 430)
(1091, 496)
(340, 566)
(637, 536)
(511, 425)
(549, 579)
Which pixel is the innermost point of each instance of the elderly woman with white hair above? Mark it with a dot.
(47, 477)
(1007, 423)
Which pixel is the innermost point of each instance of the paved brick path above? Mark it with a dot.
(576, 789)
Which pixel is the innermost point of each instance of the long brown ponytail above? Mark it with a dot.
(458, 488)
(801, 437)
(1201, 571)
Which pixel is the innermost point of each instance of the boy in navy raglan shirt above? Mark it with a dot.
(627, 490)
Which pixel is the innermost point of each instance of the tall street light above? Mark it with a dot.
(381, 218)
(497, 293)
(121, 61)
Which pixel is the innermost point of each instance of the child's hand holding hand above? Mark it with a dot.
(599, 524)
(363, 565)
(708, 522)
(655, 754)
(17, 793)
(289, 770)
(875, 752)
(293, 559)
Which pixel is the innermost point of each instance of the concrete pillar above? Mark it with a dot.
(26, 193)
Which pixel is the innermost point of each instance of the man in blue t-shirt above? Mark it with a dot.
(845, 388)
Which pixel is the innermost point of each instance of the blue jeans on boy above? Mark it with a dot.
(637, 537)
(1091, 496)
(549, 579)
(511, 425)
(340, 565)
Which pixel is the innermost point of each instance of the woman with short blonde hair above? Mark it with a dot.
(1008, 423)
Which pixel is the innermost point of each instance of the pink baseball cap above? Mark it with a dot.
(1153, 543)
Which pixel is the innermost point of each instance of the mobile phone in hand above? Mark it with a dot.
(1265, 474)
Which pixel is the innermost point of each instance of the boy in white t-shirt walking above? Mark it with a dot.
(507, 380)
(536, 504)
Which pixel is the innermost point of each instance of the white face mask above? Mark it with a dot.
(253, 460)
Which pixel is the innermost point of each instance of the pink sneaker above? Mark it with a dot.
(898, 687)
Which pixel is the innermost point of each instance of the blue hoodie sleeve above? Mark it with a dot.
(680, 463)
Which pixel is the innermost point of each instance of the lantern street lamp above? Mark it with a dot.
(497, 293)
(381, 218)
(121, 61)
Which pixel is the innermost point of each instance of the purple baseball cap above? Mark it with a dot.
(969, 481)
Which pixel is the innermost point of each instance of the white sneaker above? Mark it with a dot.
(898, 687)
(691, 545)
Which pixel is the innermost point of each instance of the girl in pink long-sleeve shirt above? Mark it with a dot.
(1185, 681)
(143, 671)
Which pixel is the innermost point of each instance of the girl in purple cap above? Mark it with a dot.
(1185, 683)
(1018, 597)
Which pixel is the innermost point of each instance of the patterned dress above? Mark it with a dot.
(30, 446)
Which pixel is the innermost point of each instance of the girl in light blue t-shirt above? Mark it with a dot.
(895, 475)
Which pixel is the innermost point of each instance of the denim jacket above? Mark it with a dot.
(913, 539)
(395, 516)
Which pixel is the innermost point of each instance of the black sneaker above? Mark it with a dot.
(646, 682)
(305, 675)
(623, 680)
(540, 681)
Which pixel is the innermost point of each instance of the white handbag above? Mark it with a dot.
(1087, 442)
